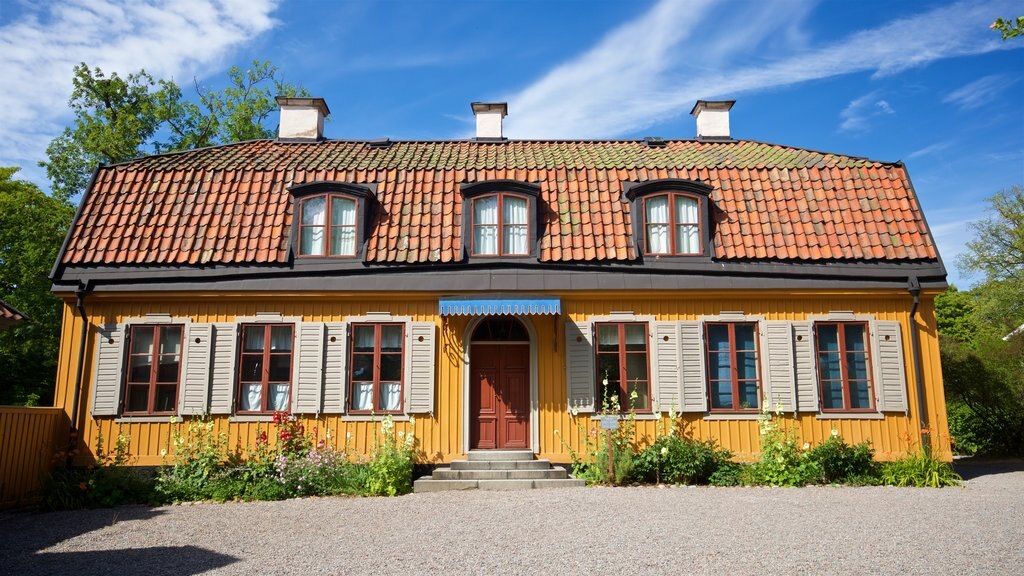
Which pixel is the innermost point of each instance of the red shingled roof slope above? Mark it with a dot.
(229, 204)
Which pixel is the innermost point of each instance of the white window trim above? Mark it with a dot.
(152, 319)
(846, 316)
(736, 317)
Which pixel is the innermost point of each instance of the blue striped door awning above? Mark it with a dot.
(493, 305)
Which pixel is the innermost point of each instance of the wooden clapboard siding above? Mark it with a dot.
(439, 434)
(29, 437)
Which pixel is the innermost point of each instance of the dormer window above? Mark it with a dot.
(328, 226)
(670, 217)
(332, 219)
(673, 225)
(500, 219)
(501, 225)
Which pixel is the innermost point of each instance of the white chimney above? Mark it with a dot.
(302, 118)
(712, 119)
(488, 119)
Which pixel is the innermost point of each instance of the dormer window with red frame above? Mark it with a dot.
(501, 225)
(328, 226)
(673, 225)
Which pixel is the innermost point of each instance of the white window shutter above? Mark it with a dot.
(890, 374)
(308, 373)
(421, 365)
(666, 364)
(693, 390)
(222, 380)
(579, 366)
(778, 376)
(806, 367)
(335, 363)
(109, 373)
(195, 380)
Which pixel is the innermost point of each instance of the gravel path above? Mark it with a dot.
(975, 529)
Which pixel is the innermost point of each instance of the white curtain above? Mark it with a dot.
(252, 398)
(280, 338)
(314, 211)
(390, 395)
(278, 397)
(343, 233)
(363, 396)
(516, 226)
(657, 225)
(687, 234)
(485, 225)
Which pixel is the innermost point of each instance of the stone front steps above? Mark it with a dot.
(497, 470)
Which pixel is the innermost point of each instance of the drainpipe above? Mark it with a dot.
(80, 294)
(914, 287)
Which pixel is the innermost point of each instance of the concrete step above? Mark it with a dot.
(549, 474)
(431, 485)
(505, 455)
(501, 465)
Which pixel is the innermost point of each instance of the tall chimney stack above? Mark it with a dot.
(712, 119)
(488, 119)
(302, 118)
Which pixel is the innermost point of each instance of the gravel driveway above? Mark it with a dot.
(975, 529)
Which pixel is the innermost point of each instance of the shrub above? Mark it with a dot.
(199, 455)
(592, 465)
(108, 482)
(676, 459)
(841, 462)
(390, 471)
(323, 471)
(782, 462)
(919, 470)
(728, 474)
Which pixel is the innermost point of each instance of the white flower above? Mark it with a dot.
(664, 450)
(835, 433)
(556, 432)
(348, 435)
(633, 395)
(163, 452)
(807, 445)
(174, 420)
(574, 411)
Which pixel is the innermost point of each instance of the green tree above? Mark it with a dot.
(954, 313)
(32, 228)
(1009, 28)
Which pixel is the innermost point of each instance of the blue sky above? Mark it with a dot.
(923, 82)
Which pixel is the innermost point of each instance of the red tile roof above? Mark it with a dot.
(229, 204)
(9, 315)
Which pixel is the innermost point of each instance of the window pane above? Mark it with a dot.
(719, 366)
(608, 337)
(142, 340)
(636, 337)
(828, 366)
(280, 368)
(608, 368)
(312, 242)
(485, 210)
(390, 395)
(167, 369)
(343, 241)
(859, 397)
(515, 210)
(252, 367)
(687, 239)
(856, 366)
(745, 337)
(516, 240)
(166, 398)
(313, 210)
(636, 367)
(642, 401)
(390, 366)
(485, 240)
(140, 368)
(832, 395)
(718, 337)
(854, 336)
(170, 340)
(657, 225)
(721, 395)
(746, 365)
(252, 397)
(686, 210)
(362, 367)
(657, 210)
(278, 397)
(391, 338)
(362, 397)
(828, 337)
(363, 338)
(138, 399)
(749, 397)
(343, 211)
(252, 340)
(280, 338)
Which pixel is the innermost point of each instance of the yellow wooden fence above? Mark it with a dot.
(28, 439)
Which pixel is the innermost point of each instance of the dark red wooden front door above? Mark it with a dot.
(500, 396)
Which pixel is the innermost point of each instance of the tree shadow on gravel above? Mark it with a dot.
(971, 468)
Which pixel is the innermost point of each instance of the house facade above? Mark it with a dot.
(493, 293)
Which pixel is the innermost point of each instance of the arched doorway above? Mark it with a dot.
(499, 384)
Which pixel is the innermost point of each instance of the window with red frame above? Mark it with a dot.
(327, 226)
(673, 225)
(375, 368)
(265, 373)
(622, 366)
(154, 369)
(501, 225)
(732, 366)
(843, 374)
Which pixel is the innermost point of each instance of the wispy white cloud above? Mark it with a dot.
(170, 39)
(656, 66)
(930, 149)
(859, 112)
(979, 92)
